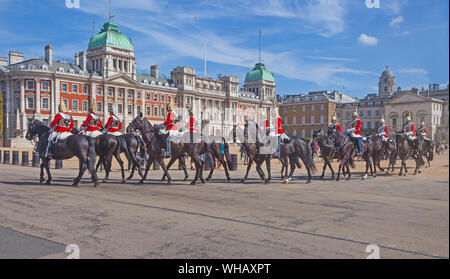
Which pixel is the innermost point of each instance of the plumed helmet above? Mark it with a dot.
(422, 124)
(334, 118)
(62, 106)
(408, 118)
(355, 113)
(92, 108)
(170, 105)
(382, 119)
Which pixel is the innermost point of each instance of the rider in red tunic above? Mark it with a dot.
(383, 130)
(190, 125)
(170, 125)
(335, 124)
(93, 123)
(355, 131)
(61, 125)
(114, 125)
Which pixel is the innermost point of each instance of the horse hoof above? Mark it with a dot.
(75, 184)
(308, 182)
(208, 178)
(348, 178)
(229, 180)
(242, 180)
(48, 182)
(186, 178)
(193, 183)
(400, 174)
(267, 181)
(42, 180)
(123, 181)
(96, 184)
(169, 182)
(285, 182)
(405, 174)
(141, 182)
(203, 181)
(163, 179)
(420, 171)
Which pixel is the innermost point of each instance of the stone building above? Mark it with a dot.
(302, 114)
(106, 76)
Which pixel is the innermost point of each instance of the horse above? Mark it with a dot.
(294, 149)
(252, 149)
(126, 143)
(428, 151)
(154, 142)
(327, 151)
(404, 150)
(345, 152)
(81, 146)
(215, 149)
(367, 154)
(392, 155)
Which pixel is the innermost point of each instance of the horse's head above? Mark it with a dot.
(31, 129)
(136, 125)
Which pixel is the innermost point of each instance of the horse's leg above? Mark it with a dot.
(292, 164)
(259, 169)
(211, 171)
(172, 160)
(366, 159)
(331, 169)
(269, 173)
(250, 162)
(348, 171)
(47, 168)
(42, 179)
(108, 164)
(81, 170)
(182, 161)
(198, 166)
(282, 167)
(165, 169)
(119, 160)
(147, 168)
(325, 164)
(339, 170)
(225, 167)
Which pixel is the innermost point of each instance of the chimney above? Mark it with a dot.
(415, 91)
(49, 54)
(77, 59)
(82, 60)
(3, 61)
(154, 71)
(15, 57)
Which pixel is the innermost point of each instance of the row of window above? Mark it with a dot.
(303, 108)
(29, 85)
(303, 120)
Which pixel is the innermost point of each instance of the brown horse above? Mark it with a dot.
(80, 146)
(249, 138)
(327, 150)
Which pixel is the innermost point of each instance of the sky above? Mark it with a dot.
(309, 45)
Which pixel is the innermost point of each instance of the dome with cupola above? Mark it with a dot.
(259, 72)
(111, 36)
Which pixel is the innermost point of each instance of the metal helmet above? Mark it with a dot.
(170, 105)
(422, 124)
(92, 108)
(62, 106)
(334, 118)
(408, 118)
(355, 113)
(382, 119)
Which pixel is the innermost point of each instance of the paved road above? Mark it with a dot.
(407, 217)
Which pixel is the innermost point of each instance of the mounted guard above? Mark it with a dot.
(170, 126)
(61, 125)
(383, 130)
(278, 131)
(92, 125)
(355, 131)
(334, 124)
(410, 128)
(423, 130)
(114, 125)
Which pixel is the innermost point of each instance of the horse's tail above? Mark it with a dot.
(91, 151)
(310, 160)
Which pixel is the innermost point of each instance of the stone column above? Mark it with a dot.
(22, 100)
(38, 97)
(125, 108)
(105, 103)
(6, 123)
(134, 103)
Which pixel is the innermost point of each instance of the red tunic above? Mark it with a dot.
(109, 123)
(169, 122)
(338, 127)
(190, 125)
(278, 130)
(57, 121)
(413, 129)
(89, 123)
(358, 127)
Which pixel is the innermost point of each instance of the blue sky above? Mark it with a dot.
(308, 45)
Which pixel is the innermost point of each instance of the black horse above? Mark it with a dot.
(249, 138)
(327, 151)
(294, 149)
(345, 151)
(80, 146)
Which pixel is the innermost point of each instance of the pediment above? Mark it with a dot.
(408, 98)
(122, 78)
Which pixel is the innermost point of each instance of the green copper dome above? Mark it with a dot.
(259, 72)
(111, 36)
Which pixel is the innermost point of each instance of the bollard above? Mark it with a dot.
(156, 165)
(36, 159)
(58, 164)
(1, 155)
(15, 157)
(6, 157)
(234, 161)
(24, 158)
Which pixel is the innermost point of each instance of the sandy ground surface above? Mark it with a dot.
(407, 217)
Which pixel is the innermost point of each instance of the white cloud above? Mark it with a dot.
(367, 40)
(396, 21)
(331, 58)
(413, 71)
